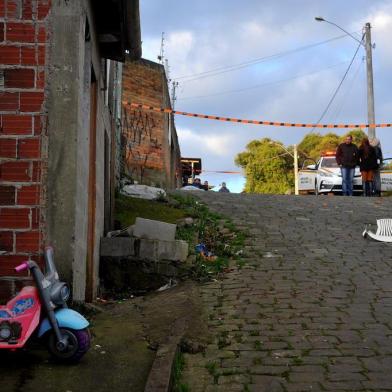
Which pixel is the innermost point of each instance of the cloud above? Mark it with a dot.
(206, 35)
(214, 144)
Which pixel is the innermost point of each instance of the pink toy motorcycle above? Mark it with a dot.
(42, 312)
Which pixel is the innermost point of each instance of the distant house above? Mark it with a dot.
(60, 79)
(151, 149)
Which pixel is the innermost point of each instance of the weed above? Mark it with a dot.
(297, 361)
(211, 367)
(238, 337)
(178, 367)
(257, 361)
(258, 344)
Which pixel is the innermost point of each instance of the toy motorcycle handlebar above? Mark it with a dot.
(22, 267)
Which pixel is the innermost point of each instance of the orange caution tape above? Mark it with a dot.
(256, 122)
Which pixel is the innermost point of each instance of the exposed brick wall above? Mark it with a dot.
(146, 134)
(23, 38)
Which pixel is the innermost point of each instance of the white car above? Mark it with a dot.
(325, 177)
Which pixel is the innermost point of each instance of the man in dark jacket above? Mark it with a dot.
(347, 159)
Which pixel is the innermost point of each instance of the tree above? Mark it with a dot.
(357, 135)
(314, 144)
(268, 167)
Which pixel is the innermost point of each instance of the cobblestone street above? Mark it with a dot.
(311, 310)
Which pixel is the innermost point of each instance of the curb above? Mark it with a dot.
(160, 376)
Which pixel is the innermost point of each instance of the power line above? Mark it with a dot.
(340, 84)
(263, 84)
(229, 68)
(339, 109)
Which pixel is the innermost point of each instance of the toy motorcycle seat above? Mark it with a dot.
(20, 304)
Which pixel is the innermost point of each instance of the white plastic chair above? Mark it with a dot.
(383, 233)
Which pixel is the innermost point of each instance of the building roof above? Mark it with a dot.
(118, 28)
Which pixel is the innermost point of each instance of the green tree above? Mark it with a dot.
(357, 134)
(314, 144)
(268, 167)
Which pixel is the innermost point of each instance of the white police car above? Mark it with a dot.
(325, 177)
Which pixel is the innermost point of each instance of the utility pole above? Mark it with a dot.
(370, 90)
(296, 170)
(174, 96)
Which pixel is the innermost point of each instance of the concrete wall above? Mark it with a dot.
(73, 59)
(152, 153)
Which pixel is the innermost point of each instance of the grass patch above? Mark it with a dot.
(178, 367)
(129, 208)
(209, 229)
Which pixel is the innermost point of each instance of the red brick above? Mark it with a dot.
(8, 264)
(19, 78)
(16, 125)
(14, 218)
(9, 288)
(40, 80)
(15, 171)
(28, 195)
(28, 148)
(2, 35)
(36, 172)
(7, 148)
(41, 34)
(6, 241)
(31, 101)
(9, 101)
(39, 124)
(41, 55)
(9, 54)
(2, 8)
(7, 195)
(35, 215)
(27, 10)
(14, 9)
(28, 55)
(27, 242)
(20, 32)
(43, 9)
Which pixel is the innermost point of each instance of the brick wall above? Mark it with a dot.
(23, 34)
(148, 151)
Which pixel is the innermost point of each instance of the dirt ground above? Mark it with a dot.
(125, 337)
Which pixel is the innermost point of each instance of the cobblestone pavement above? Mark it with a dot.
(312, 308)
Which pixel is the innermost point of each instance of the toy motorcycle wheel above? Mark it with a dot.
(78, 345)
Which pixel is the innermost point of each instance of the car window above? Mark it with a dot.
(329, 162)
(386, 164)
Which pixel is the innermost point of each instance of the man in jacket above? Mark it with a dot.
(347, 159)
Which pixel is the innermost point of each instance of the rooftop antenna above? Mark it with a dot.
(162, 50)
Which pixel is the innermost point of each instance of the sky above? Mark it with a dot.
(267, 60)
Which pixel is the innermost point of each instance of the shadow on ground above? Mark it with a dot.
(125, 335)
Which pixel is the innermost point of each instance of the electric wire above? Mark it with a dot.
(229, 68)
(344, 100)
(262, 84)
(340, 85)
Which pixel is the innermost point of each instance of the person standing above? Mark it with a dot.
(375, 143)
(367, 165)
(347, 159)
(223, 188)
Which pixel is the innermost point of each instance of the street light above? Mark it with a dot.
(295, 157)
(369, 71)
